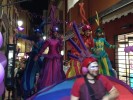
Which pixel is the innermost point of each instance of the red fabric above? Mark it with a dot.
(89, 42)
(87, 61)
(80, 81)
(124, 93)
(76, 87)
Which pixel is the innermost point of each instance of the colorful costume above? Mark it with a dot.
(87, 37)
(102, 56)
(74, 69)
(32, 67)
(52, 71)
(89, 43)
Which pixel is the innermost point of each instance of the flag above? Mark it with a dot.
(70, 4)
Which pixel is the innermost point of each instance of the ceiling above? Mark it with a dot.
(35, 7)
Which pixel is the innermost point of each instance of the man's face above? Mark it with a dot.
(93, 69)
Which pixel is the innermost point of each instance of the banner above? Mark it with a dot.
(70, 4)
(9, 79)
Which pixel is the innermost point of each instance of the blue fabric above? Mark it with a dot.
(32, 68)
(57, 92)
(62, 91)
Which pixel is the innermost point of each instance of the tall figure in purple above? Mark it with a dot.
(32, 67)
(52, 70)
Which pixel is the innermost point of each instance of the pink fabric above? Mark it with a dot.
(52, 71)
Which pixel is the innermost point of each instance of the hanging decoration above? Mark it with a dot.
(3, 62)
(97, 19)
(1, 39)
(2, 73)
(70, 4)
(82, 13)
(128, 49)
(3, 59)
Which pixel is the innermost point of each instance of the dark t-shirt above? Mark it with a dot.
(100, 88)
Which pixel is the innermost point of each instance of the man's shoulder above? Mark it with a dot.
(80, 80)
(104, 79)
(101, 77)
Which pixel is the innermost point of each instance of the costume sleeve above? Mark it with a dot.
(76, 88)
(60, 44)
(23, 36)
(40, 44)
(92, 43)
(106, 82)
(93, 48)
(45, 45)
(108, 45)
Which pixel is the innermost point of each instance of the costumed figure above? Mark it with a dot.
(100, 53)
(87, 37)
(86, 29)
(88, 40)
(32, 67)
(52, 71)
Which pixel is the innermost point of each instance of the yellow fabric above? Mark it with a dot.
(72, 71)
(106, 65)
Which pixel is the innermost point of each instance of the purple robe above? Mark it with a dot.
(52, 70)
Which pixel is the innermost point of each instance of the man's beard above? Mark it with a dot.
(95, 76)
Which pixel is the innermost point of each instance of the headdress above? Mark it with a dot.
(55, 29)
(99, 29)
(37, 31)
(84, 19)
(86, 27)
(54, 22)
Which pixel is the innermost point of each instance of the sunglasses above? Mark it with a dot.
(93, 67)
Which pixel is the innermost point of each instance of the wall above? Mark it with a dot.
(100, 5)
(113, 28)
(90, 7)
(74, 14)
